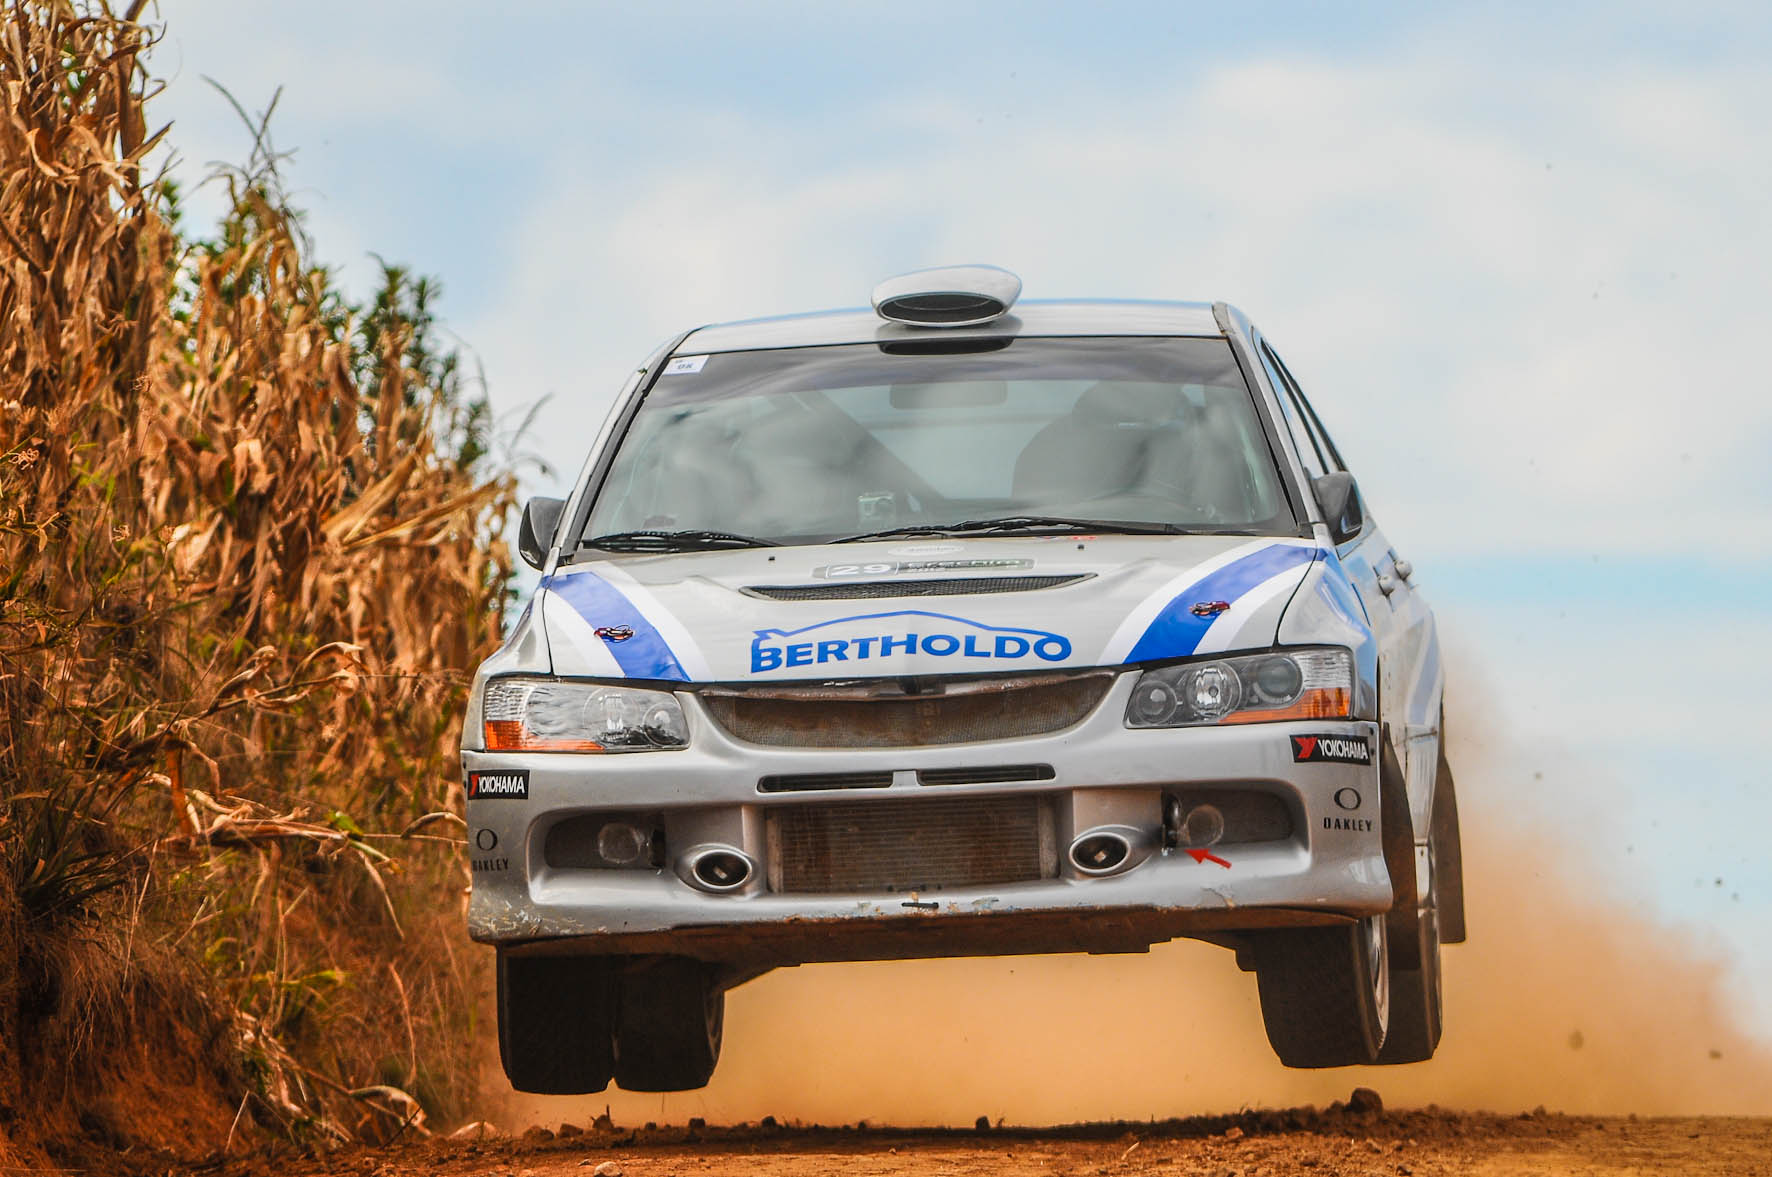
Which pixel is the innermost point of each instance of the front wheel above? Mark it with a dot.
(672, 1020)
(554, 1015)
(1325, 993)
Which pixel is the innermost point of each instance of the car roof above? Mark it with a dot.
(1029, 318)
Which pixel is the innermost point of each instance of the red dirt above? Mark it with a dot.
(1428, 1143)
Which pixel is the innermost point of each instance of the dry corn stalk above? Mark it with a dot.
(240, 536)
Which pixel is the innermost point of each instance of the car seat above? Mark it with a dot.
(1119, 438)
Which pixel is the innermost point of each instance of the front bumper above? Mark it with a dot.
(1331, 867)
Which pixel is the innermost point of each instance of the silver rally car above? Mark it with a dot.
(958, 626)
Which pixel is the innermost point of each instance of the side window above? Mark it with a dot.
(1319, 436)
(1308, 451)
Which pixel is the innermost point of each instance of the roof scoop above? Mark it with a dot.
(947, 296)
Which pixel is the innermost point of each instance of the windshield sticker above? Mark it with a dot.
(891, 567)
(685, 365)
(911, 631)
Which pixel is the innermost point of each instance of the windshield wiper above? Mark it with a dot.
(1024, 524)
(674, 541)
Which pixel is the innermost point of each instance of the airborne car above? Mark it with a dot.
(958, 627)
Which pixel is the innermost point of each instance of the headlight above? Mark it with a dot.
(1254, 688)
(546, 715)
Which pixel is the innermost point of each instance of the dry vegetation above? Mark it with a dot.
(248, 557)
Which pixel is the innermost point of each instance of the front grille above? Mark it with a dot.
(901, 846)
(839, 717)
(996, 774)
(802, 782)
(947, 587)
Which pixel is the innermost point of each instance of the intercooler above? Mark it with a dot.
(919, 845)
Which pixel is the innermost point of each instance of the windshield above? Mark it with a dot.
(809, 445)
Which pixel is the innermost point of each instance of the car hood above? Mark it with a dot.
(959, 606)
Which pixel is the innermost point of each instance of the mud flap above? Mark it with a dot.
(1398, 834)
(1448, 854)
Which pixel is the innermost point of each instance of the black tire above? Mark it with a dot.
(554, 1022)
(672, 1018)
(1325, 993)
(1415, 995)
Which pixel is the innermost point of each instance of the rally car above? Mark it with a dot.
(958, 626)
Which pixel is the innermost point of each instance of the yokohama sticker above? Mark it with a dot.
(508, 783)
(1331, 749)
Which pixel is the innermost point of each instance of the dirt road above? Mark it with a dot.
(1338, 1141)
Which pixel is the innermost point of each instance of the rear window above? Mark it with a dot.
(805, 445)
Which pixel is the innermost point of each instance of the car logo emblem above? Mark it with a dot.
(1209, 608)
(615, 633)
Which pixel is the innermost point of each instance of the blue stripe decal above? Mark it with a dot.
(1176, 631)
(645, 655)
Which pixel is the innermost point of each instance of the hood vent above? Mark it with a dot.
(804, 782)
(947, 296)
(995, 774)
(948, 587)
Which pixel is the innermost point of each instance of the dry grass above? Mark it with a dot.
(247, 561)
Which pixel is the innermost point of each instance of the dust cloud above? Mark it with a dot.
(1562, 997)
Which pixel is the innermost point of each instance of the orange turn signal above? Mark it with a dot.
(509, 735)
(1316, 703)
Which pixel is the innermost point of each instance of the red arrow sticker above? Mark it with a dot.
(1208, 856)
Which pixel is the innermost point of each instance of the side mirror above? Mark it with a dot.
(541, 518)
(1339, 497)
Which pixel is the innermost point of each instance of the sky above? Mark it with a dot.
(1518, 256)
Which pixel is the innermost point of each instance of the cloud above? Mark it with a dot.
(1528, 325)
